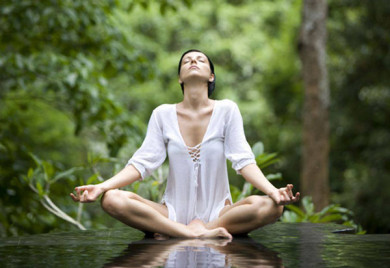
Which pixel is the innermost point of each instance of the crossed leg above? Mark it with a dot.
(247, 215)
(146, 215)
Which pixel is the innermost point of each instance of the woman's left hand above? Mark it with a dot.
(284, 196)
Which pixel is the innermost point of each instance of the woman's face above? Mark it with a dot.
(195, 65)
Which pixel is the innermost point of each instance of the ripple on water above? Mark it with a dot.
(278, 245)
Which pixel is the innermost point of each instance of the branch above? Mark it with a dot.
(59, 213)
(79, 211)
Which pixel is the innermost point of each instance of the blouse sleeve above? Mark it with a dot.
(237, 149)
(152, 152)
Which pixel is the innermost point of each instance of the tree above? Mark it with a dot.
(312, 51)
(359, 61)
(57, 63)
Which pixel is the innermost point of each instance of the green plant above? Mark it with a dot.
(45, 174)
(331, 213)
(153, 187)
(263, 160)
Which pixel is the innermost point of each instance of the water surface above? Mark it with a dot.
(277, 245)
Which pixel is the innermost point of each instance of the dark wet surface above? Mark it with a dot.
(278, 245)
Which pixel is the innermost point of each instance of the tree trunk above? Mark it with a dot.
(312, 51)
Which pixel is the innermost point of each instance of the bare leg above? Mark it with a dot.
(247, 215)
(199, 226)
(146, 215)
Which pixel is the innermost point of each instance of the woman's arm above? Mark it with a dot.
(126, 176)
(282, 196)
(254, 176)
(145, 160)
(89, 193)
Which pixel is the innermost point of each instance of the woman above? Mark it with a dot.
(198, 134)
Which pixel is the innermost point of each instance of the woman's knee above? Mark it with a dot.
(108, 200)
(275, 211)
(278, 212)
(258, 203)
(113, 199)
(263, 205)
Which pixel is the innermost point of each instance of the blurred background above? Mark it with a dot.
(79, 80)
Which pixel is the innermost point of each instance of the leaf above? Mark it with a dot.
(308, 205)
(330, 218)
(341, 210)
(265, 160)
(2, 147)
(40, 189)
(48, 170)
(296, 210)
(289, 216)
(258, 148)
(30, 173)
(92, 179)
(65, 173)
(327, 209)
(25, 178)
(235, 192)
(313, 218)
(246, 191)
(37, 161)
(275, 176)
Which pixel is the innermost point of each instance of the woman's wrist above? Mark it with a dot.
(271, 190)
(103, 186)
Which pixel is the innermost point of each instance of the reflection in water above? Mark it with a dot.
(299, 244)
(241, 252)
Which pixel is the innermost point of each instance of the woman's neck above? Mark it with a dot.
(195, 96)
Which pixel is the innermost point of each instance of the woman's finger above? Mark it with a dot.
(77, 189)
(286, 195)
(84, 196)
(277, 199)
(75, 198)
(289, 190)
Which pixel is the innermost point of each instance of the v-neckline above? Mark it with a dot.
(207, 129)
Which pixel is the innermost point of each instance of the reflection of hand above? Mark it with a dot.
(284, 196)
(87, 193)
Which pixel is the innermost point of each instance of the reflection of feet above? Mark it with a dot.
(206, 242)
(244, 252)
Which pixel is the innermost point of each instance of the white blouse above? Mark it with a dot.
(197, 184)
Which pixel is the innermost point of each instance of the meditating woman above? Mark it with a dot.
(198, 134)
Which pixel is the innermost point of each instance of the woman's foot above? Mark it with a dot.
(198, 227)
(218, 232)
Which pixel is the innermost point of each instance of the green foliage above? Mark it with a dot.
(358, 68)
(263, 160)
(79, 77)
(153, 187)
(332, 213)
(45, 176)
(56, 62)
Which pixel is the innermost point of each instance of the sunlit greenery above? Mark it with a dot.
(332, 213)
(79, 80)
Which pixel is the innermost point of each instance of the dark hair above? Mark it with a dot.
(211, 85)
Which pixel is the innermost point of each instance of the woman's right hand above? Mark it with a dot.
(87, 193)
